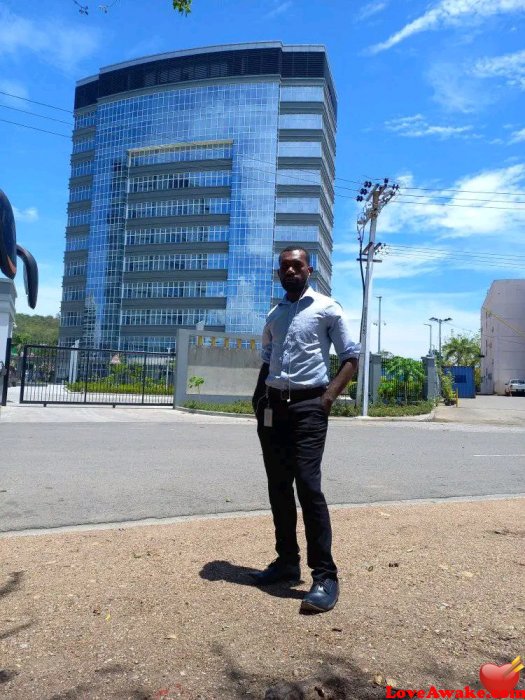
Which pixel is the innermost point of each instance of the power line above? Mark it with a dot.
(460, 206)
(434, 258)
(42, 104)
(462, 199)
(45, 131)
(439, 252)
(34, 114)
(449, 189)
(488, 253)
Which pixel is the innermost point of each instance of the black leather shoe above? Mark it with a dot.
(277, 571)
(321, 597)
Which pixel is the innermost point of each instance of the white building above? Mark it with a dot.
(503, 335)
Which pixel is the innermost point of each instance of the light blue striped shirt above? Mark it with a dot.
(297, 337)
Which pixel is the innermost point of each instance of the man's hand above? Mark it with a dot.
(344, 375)
(327, 401)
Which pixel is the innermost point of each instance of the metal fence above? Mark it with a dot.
(58, 375)
(402, 381)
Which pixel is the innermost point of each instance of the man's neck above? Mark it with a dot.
(295, 296)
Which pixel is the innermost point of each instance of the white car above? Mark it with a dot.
(514, 386)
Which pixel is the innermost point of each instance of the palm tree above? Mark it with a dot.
(462, 350)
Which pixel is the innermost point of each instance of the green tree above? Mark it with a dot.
(182, 6)
(34, 330)
(462, 350)
(403, 377)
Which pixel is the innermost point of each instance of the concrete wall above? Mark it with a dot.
(229, 373)
(503, 335)
(226, 371)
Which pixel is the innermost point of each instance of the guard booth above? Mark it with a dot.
(464, 382)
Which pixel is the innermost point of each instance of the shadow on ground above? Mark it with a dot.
(220, 570)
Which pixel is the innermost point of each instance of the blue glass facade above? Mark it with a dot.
(181, 194)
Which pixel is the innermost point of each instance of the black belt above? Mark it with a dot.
(295, 394)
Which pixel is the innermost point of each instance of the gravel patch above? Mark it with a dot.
(428, 594)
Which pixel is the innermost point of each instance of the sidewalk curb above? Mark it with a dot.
(424, 417)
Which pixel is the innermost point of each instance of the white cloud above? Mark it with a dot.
(456, 92)
(463, 213)
(517, 136)
(451, 13)
(28, 216)
(61, 45)
(279, 9)
(510, 66)
(417, 126)
(370, 10)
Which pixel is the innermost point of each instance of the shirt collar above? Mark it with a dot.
(309, 292)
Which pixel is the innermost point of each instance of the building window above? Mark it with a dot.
(83, 120)
(300, 149)
(298, 177)
(82, 167)
(84, 144)
(75, 269)
(78, 217)
(179, 207)
(80, 193)
(176, 234)
(302, 93)
(76, 243)
(153, 156)
(178, 261)
(300, 121)
(175, 181)
(169, 290)
(172, 317)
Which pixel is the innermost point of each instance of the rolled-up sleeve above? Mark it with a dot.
(339, 332)
(266, 351)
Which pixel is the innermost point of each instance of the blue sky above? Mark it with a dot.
(431, 94)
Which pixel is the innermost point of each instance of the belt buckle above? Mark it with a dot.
(283, 394)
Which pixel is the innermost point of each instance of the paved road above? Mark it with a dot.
(55, 474)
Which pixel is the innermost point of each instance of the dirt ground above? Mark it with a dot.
(428, 593)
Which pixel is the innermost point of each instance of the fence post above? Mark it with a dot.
(23, 377)
(144, 370)
(86, 367)
(375, 376)
(183, 341)
(431, 383)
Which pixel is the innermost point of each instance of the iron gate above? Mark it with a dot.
(58, 375)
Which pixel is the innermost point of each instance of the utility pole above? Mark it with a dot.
(430, 344)
(376, 196)
(440, 321)
(379, 327)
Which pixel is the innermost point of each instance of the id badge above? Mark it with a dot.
(268, 417)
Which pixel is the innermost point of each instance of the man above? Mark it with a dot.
(292, 401)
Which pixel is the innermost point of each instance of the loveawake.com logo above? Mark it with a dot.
(498, 682)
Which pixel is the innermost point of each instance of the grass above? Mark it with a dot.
(339, 408)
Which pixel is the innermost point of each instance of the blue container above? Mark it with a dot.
(463, 378)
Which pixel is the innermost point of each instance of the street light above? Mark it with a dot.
(440, 321)
(430, 343)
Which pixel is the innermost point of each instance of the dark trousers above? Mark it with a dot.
(292, 450)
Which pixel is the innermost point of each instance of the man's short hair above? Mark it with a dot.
(289, 249)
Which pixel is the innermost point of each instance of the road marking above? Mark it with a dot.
(499, 455)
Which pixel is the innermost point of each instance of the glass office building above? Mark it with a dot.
(190, 171)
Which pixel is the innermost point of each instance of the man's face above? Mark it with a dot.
(294, 270)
